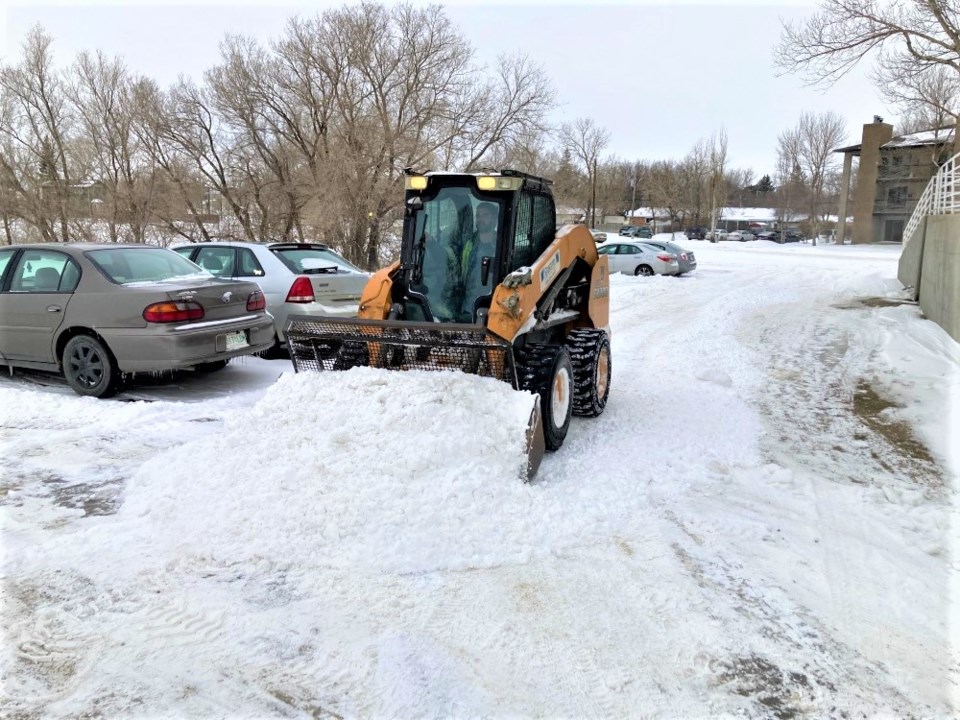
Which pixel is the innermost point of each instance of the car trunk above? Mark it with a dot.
(221, 300)
(343, 288)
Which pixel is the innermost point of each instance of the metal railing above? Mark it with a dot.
(940, 197)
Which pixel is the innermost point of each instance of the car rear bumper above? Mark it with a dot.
(314, 309)
(155, 348)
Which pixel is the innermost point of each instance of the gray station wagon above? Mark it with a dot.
(97, 312)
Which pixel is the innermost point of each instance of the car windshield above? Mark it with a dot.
(145, 265)
(312, 260)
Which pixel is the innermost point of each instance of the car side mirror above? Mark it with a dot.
(485, 269)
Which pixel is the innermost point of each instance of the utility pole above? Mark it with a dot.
(593, 201)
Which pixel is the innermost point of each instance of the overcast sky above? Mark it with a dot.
(657, 75)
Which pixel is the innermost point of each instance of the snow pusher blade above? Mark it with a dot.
(342, 343)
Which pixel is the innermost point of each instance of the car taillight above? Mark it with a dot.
(301, 291)
(165, 312)
(666, 258)
(256, 301)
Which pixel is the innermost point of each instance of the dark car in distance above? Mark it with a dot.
(696, 233)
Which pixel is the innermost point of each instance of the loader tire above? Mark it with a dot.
(547, 371)
(590, 354)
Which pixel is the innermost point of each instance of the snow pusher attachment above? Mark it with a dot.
(487, 285)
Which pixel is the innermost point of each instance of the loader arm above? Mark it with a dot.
(517, 299)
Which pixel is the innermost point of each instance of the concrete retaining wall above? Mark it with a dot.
(939, 270)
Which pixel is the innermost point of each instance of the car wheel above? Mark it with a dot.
(275, 352)
(644, 270)
(89, 367)
(590, 355)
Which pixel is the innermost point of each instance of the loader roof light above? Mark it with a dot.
(416, 182)
(492, 182)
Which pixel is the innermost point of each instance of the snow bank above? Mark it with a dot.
(365, 468)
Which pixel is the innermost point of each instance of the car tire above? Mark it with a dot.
(90, 368)
(644, 270)
(547, 371)
(275, 352)
(589, 350)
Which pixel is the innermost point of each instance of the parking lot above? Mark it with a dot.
(759, 523)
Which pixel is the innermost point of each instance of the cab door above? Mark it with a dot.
(33, 298)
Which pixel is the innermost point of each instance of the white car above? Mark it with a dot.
(720, 235)
(741, 235)
(296, 278)
(638, 258)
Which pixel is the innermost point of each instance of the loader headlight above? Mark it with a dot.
(416, 182)
(490, 182)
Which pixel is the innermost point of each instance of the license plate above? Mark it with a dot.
(235, 340)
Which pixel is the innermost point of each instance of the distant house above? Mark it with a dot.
(891, 176)
(568, 215)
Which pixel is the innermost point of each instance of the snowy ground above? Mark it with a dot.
(762, 524)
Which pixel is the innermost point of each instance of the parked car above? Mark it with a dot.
(96, 312)
(636, 231)
(599, 236)
(741, 235)
(789, 236)
(638, 258)
(695, 233)
(300, 278)
(767, 235)
(624, 229)
(685, 258)
(719, 234)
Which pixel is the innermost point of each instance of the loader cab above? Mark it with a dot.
(463, 233)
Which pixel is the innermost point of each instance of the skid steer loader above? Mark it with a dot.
(485, 284)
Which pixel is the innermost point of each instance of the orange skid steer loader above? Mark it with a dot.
(485, 284)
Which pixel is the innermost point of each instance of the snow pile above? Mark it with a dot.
(402, 471)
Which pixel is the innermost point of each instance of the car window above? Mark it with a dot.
(608, 249)
(312, 260)
(5, 257)
(218, 261)
(185, 250)
(629, 250)
(249, 265)
(41, 271)
(144, 265)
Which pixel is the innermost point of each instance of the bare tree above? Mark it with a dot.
(929, 100)
(809, 149)
(102, 95)
(907, 40)
(718, 162)
(585, 141)
(39, 166)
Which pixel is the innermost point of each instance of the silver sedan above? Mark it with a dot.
(296, 278)
(638, 258)
(97, 312)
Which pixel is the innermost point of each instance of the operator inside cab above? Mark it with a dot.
(453, 259)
